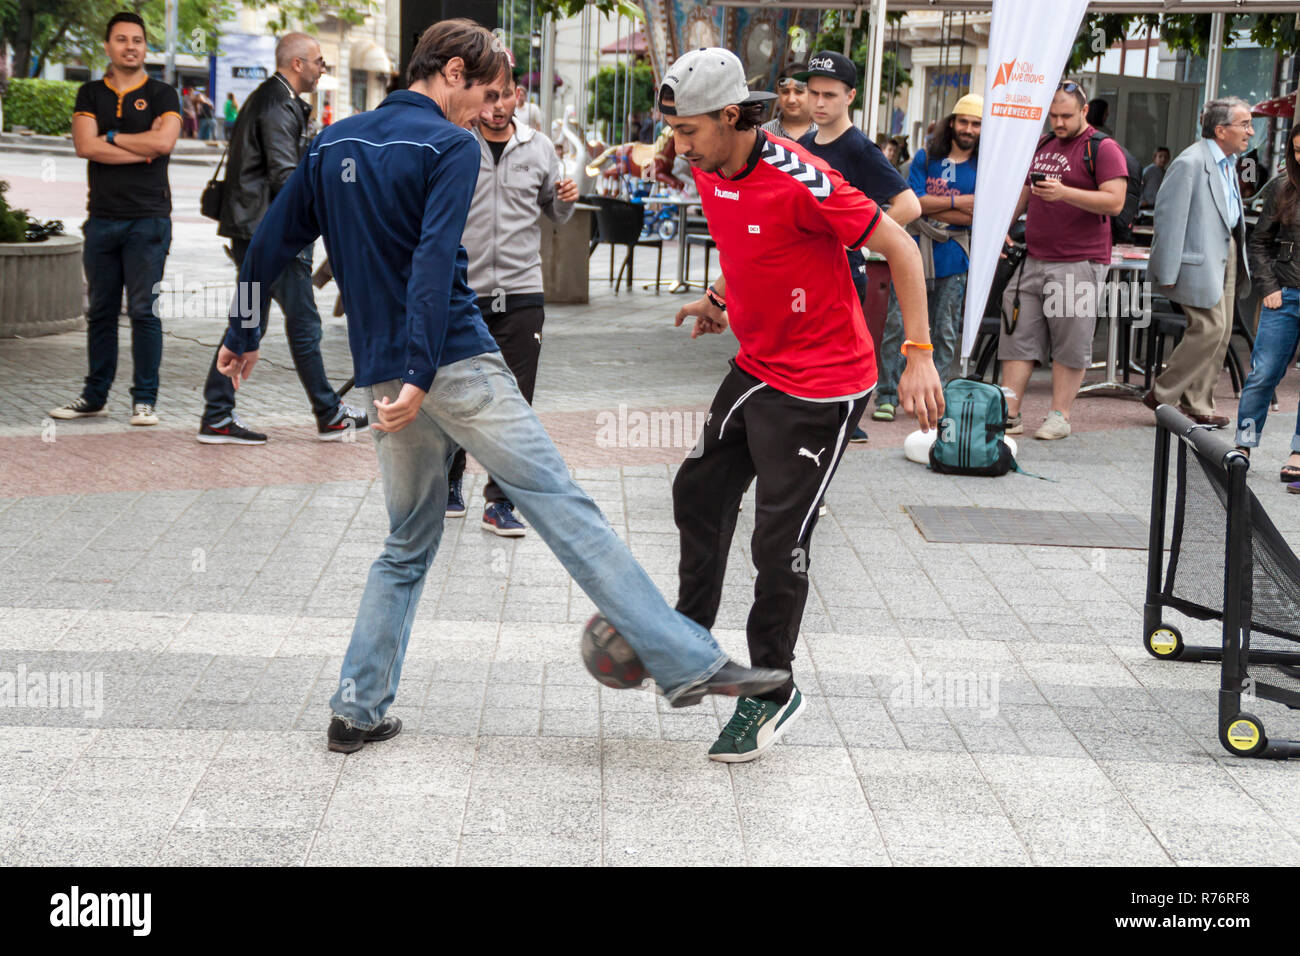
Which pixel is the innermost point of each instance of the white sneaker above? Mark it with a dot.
(142, 414)
(1054, 426)
(1015, 424)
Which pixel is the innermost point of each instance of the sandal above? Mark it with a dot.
(1289, 474)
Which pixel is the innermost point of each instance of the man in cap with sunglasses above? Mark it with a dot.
(793, 113)
(798, 385)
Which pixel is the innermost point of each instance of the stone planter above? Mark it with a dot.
(41, 287)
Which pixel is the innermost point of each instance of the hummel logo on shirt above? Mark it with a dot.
(818, 183)
(726, 194)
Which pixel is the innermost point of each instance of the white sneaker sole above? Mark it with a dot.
(776, 735)
(151, 420)
(455, 514)
(62, 414)
(503, 532)
(226, 440)
(340, 434)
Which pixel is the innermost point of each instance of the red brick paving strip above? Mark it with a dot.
(159, 459)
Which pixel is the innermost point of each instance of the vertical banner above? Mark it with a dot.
(1029, 43)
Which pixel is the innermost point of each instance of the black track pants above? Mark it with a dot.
(792, 448)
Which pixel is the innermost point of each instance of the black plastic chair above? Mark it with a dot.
(620, 224)
(1169, 323)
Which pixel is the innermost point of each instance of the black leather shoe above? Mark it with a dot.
(1149, 400)
(348, 740)
(733, 680)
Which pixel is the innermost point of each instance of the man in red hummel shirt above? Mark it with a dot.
(782, 219)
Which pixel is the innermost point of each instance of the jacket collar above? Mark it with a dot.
(755, 154)
(409, 98)
(523, 134)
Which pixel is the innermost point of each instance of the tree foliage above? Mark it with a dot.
(43, 31)
(1180, 31)
(607, 91)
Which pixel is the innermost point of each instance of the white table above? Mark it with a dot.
(1128, 270)
(682, 283)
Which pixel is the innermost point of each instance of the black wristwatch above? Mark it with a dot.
(718, 304)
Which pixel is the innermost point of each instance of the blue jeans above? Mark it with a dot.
(292, 291)
(1275, 344)
(946, 301)
(475, 403)
(118, 253)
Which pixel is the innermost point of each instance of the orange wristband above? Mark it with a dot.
(925, 346)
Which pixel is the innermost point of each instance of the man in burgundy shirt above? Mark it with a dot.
(1052, 300)
(798, 385)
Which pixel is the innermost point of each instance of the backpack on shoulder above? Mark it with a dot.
(1121, 225)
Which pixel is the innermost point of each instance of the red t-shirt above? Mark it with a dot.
(1058, 231)
(782, 224)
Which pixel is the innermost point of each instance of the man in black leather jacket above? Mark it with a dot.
(270, 137)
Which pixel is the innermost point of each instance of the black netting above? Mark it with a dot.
(1271, 598)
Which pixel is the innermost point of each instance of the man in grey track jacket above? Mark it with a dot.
(518, 177)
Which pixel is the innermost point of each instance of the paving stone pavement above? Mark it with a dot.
(208, 595)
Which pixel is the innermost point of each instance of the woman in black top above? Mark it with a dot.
(1275, 271)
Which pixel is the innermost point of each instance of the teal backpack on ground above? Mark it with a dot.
(971, 431)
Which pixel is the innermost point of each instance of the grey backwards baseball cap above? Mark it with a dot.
(705, 80)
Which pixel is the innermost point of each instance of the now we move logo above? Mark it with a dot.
(1018, 77)
(1017, 71)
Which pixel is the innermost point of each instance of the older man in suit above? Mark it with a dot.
(1198, 256)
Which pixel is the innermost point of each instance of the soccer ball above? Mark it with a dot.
(608, 656)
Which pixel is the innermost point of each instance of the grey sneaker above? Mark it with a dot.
(1015, 424)
(143, 414)
(77, 408)
(1054, 426)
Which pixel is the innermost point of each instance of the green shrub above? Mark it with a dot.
(13, 222)
(44, 106)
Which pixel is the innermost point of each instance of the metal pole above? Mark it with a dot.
(585, 72)
(871, 110)
(171, 42)
(1212, 60)
(546, 88)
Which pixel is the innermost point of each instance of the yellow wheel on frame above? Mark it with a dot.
(1165, 643)
(1243, 735)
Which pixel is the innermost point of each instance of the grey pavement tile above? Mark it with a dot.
(570, 723)
(508, 849)
(84, 846)
(950, 839)
(382, 846)
(234, 846)
(88, 809)
(510, 723)
(247, 808)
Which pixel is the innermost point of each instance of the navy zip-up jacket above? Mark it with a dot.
(389, 190)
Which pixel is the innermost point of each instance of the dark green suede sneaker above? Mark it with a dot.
(754, 727)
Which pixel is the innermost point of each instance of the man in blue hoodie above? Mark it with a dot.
(389, 191)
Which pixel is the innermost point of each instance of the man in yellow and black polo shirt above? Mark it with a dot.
(125, 125)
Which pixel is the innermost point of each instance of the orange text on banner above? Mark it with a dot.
(1017, 112)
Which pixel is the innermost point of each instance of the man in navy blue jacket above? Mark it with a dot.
(389, 191)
